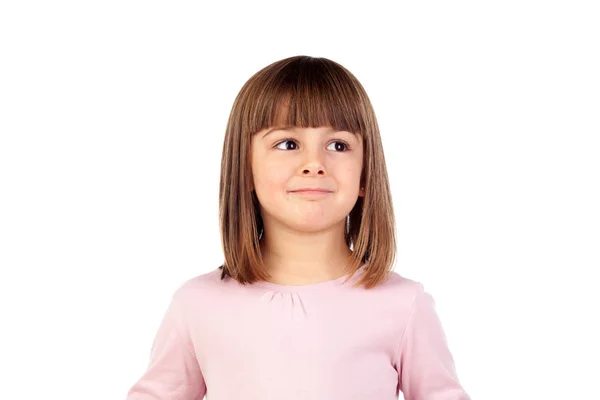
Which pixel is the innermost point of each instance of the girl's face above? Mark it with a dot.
(285, 161)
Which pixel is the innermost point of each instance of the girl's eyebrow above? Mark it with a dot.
(277, 128)
(291, 128)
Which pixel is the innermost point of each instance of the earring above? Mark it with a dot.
(362, 188)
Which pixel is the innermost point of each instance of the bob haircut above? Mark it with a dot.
(303, 91)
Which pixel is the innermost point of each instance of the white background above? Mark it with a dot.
(112, 117)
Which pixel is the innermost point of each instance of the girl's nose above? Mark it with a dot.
(313, 166)
(313, 171)
(313, 161)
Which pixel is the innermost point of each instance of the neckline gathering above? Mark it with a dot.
(312, 286)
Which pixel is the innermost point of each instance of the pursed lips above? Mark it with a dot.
(311, 190)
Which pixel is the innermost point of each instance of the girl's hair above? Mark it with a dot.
(305, 92)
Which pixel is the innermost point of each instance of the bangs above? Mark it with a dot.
(305, 92)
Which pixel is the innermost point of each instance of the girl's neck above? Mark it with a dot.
(298, 258)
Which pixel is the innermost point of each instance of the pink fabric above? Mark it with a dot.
(326, 341)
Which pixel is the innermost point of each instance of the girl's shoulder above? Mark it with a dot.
(202, 286)
(397, 282)
(401, 290)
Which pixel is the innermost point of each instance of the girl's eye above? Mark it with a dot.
(286, 147)
(338, 145)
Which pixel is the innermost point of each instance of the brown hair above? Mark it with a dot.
(305, 92)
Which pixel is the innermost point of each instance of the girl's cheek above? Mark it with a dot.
(277, 178)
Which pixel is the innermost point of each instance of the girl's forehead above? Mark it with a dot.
(291, 128)
(325, 129)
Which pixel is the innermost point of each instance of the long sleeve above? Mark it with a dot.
(173, 372)
(427, 370)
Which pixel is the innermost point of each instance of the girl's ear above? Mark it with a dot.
(361, 192)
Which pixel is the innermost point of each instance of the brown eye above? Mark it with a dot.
(287, 147)
(339, 146)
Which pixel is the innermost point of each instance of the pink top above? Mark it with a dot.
(324, 341)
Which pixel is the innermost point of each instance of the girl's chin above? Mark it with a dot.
(308, 225)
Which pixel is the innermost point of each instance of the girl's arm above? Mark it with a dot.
(427, 369)
(173, 371)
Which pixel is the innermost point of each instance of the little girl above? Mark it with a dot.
(306, 305)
